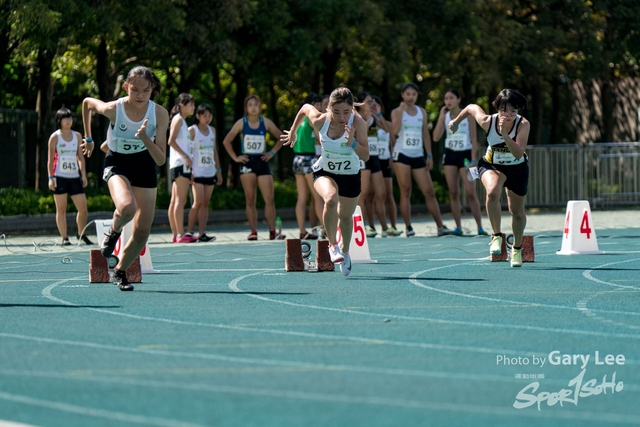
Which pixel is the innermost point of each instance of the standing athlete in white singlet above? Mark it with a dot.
(137, 145)
(505, 164)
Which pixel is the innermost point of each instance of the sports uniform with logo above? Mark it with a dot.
(305, 149)
(127, 155)
(253, 143)
(176, 161)
(409, 147)
(499, 158)
(204, 161)
(339, 162)
(457, 146)
(65, 166)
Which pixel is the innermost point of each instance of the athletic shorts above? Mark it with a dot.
(206, 180)
(455, 158)
(414, 162)
(302, 163)
(138, 168)
(70, 186)
(179, 171)
(385, 167)
(348, 185)
(373, 164)
(517, 175)
(255, 165)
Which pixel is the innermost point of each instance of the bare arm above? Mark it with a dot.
(176, 125)
(519, 146)
(277, 133)
(396, 120)
(107, 109)
(157, 149)
(228, 139)
(289, 137)
(216, 159)
(474, 111)
(473, 135)
(81, 163)
(53, 140)
(438, 131)
(426, 137)
(361, 139)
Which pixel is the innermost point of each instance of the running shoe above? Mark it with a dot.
(308, 236)
(370, 231)
(65, 242)
(410, 231)
(444, 231)
(516, 257)
(336, 254)
(85, 239)
(481, 232)
(457, 231)
(120, 279)
(495, 246)
(345, 266)
(109, 242)
(253, 236)
(274, 235)
(187, 238)
(174, 239)
(204, 238)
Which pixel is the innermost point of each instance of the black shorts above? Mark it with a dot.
(414, 162)
(138, 168)
(373, 164)
(302, 163)
(517, 175)
(179, 171)
(255, 165)
(455, 158)
(385, 167)
(206, 180)
(348, 185)
(70, 186)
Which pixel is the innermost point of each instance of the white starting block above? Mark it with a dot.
(102, 228)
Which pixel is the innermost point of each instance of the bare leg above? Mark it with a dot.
(423, 179)
(328, 190)
(61, 214)
(518, 216)
(452, 175)
(403, 175)
(249, 184)
(265, 182)
(493, 182)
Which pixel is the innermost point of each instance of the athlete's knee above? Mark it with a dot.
(142, 232)
(454, 193)
(331, 202)
(493, 195)
(128, 210)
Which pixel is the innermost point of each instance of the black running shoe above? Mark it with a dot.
(85, 239)
(120, 279)
(109, 242)
(65, 242)
(204, 238)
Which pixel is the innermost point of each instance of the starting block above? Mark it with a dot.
(528, 253)
(298, 253)
(100, 271)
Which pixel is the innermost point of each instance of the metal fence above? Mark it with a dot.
(605, 174)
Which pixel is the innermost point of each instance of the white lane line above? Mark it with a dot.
(95, 412)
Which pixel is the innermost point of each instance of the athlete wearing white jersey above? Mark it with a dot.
(460, 150)
(180, 163)
(206, 170)
(336, 174)
(67, 174)
(504, 165)
(137, 146)
(409, 123)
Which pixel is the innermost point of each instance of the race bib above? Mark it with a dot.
(129, 145)
(456, 142)
(412, 139)
(205, 157)
(502, 158)
(382, 152)
(68, 163)
(373, 145)
(254, 144)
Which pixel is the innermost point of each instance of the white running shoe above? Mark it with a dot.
(336, 254)
(345, 266)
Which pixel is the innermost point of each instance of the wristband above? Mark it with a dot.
(379, 114)
(429, 156)
(89, 139)
(272, 153)
(452, 124)
(472, 161)
(52, 177)
(354, 144)
(218, 169)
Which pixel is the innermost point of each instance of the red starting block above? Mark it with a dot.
(528, 253)
(295, 260)
(99, 269)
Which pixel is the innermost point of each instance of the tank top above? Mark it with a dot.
(459, 141)
(337, 155)
(123, 136)
(184, 142)
(384, 153)
(372, 137)
(306, 139)
(65, 160)
(409, 140)
(497, 152)
(253, 140)
(204, 161)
